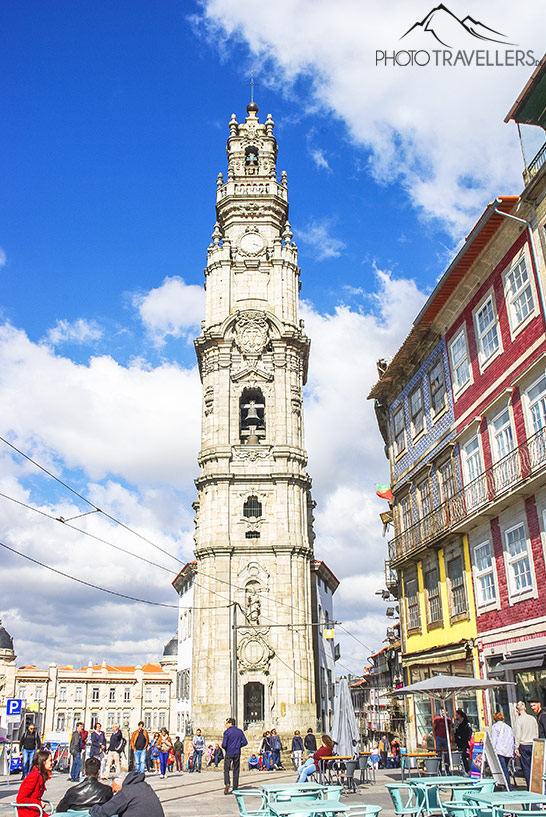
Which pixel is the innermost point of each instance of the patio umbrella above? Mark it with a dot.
(441, 687)
(345, 732)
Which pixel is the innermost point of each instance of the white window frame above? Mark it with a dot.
(476, 488)
(416, 625)
(458, 389)
(78, 695)
(441, 483)
(515, 594)
(418, 390)
(481, 573)
(484, 360)
(512, 297)
(399, 450)
(436, 413)
(405, 512)
(435, 596)
(531, 429)
(62, 695)
(453, 612)
(148, 694)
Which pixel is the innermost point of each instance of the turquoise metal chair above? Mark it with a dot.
(42, 811)
(333, 792)
(363, 810)
(289, 795)
(456, 809)
(413, 805)
(260, 802)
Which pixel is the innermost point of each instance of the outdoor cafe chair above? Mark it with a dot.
(456, 809)
(363, 810)
(432, 765)
(287, 795)
(42, 811)
(350, 769)
(409, 765)
(457, 762)
(333, 792)
(367, 771)
(411, 808)
(260, 810)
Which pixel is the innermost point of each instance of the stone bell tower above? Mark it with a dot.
(252, 643)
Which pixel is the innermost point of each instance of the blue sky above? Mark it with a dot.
(114, 128)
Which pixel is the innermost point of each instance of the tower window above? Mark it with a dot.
(251, 157)
(252, 416)
(252, 534)
(252, 509)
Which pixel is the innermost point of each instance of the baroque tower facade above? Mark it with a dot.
(252, 640)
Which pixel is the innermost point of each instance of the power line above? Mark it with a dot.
(97, 587)
(67, 524)
(92, 504)
(140, 536)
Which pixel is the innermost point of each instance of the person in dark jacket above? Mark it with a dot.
(28, 746)
(133, 797)
(217, 755)
(462, 735)
(232, 743)
(115, 748)
(536, 706)
(310, 742)
(297, 750)
(90, 792)
(75, 749)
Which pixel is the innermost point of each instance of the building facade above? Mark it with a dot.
(253, 654)
(56, 698)
(184, 586)
(324, 585)
(468, 457)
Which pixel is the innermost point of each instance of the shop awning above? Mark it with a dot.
(523, 660)
(439, 658)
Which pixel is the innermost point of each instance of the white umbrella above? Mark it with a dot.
(345, 729)
(441, 687)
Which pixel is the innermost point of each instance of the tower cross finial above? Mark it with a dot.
(252, 84)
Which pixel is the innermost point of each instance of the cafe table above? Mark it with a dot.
(272, 789)
(315, 808)
(428, 788)
(499, 800)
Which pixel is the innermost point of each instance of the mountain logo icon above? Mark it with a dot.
(447, 28)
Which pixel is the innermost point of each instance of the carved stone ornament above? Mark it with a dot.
(254, 653)
(251, 452)
(251, 333)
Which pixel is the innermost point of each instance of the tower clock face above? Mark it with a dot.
(252, 243)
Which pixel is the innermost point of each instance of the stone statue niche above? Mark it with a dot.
(252, 603)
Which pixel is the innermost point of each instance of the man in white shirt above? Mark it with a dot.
(525, 732)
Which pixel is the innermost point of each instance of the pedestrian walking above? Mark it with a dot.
(525, 732)
(198, 749)
(178, 747)
(462, 735)
(115, 748)
(504, 744)
(28, 746)
(164, 746)
(310, 742)
(297, 749)
(383, 749)
(75, 749)
(276, 748)
(233, 741)
(155, 752)
(265, 751)
(139, 744)
(33, 786)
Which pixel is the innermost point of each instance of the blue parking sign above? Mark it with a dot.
(14, 706)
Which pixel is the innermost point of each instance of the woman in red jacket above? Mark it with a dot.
(312, 763)
(33, 786)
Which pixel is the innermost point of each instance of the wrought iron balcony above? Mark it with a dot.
(522, 464)
(535, 164)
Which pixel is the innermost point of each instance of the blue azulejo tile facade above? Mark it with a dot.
(425, 446)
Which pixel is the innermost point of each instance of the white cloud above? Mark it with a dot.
(3, 258)
(320, 159)
(80, 331)
(317, 236)
(127, 438)
(172, 309)
(439, 131)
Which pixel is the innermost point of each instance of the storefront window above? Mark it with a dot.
(531, 685)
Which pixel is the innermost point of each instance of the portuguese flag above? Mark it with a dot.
(384, 491)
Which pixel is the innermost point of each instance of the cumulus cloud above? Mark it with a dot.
(174, 308)
(80, 331)
(317, 236)
(126, 437)
(439, 131)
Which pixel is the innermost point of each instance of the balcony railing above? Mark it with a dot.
(534, 166)
(521, 464)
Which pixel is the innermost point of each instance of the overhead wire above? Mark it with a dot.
(98, 587)
(140, 536)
